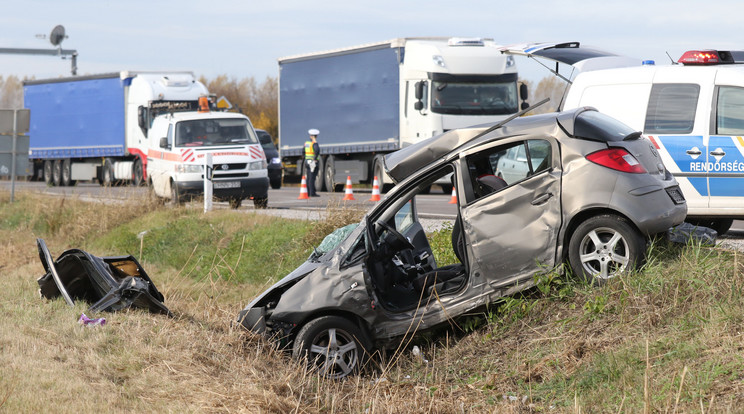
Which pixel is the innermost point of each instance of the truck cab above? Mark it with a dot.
(178, 143)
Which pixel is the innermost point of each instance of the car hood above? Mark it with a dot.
(293, 277)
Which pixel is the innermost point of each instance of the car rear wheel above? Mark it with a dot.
(605, 246)
(332, 345)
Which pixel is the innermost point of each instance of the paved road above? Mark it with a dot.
(431, 206)
(435, 205)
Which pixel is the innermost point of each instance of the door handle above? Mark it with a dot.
(718, 152)
(541, 199)
(693, 151)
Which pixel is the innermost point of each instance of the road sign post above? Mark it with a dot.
(14, 151)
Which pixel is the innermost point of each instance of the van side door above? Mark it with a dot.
(726, 149)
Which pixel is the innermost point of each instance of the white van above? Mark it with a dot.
(693, 113)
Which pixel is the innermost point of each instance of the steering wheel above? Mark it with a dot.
(406, 244)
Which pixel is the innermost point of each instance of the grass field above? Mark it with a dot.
(669, 338)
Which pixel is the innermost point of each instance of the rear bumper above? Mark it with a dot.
(257, 187)
(656, 211)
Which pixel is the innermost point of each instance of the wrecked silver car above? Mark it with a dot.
(580, 187)
(107, 283)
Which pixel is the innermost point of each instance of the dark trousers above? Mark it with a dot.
(311, 178)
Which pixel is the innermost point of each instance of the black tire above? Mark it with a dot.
(176, 198)
(276, 182)
(67, 173)
(48, 167)
(57, 173)
(333, 346)
(319, 178)
(329, 173)
(379, 172)
(107, 173)
(235, 202)
(138, 172)
(592, 257)
(260, 203)
(721, 226)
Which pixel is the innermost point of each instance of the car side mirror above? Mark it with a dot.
(164, 142)
(524, 105)
(419, 93)
(418, 105)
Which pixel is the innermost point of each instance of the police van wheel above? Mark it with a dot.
(260, 203)
(235, 202)
(721, 226)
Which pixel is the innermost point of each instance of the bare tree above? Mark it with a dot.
(11, 92)
(549, 87)
(257, 101)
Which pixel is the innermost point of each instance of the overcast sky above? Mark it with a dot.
(245, 38)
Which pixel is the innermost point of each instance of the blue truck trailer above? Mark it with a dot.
(88, 127)
(373, 99)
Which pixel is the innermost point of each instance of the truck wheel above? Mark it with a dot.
(235, 202)
(138, 172)
(67, 173)
(319, 178)
(333, 346)
(57, 173)
(330, 173)
(605, 246)
(260, 203)
(48, 179)
(379, 172)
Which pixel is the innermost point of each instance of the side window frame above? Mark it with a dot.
(666, 99)
(715, 113)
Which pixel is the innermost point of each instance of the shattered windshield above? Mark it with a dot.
(474, 98)
(211, 132)
(332, 240)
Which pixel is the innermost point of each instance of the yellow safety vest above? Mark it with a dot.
(309, 150)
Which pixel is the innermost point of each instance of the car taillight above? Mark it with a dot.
(617, 159)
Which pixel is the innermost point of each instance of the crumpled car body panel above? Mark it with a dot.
(107, 283)
(505, 235)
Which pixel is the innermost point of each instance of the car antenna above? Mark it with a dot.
(517, 115)
(670, 58)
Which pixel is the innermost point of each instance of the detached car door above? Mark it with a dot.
(512, 231)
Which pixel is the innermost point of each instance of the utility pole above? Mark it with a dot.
(56, 38)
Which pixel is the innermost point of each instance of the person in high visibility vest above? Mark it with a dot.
(312, 152)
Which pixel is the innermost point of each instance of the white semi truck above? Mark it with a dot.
(373, 99)
(142, 127)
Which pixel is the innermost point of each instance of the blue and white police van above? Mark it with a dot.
(692, 112)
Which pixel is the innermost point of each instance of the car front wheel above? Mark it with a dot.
(332, 345)
(605, 246)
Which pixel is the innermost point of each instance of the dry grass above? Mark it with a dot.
(562, 348)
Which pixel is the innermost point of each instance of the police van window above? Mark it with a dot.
(730, 111)
(671, 108)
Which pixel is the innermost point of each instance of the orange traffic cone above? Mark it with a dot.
(375, 190)
(349, 194)
(303, 190)
(453, 200)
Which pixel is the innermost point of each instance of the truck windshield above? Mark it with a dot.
(212, 132)
(474, 98)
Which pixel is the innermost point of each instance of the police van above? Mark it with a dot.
(692, 112)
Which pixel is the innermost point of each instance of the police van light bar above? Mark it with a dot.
(711, 57)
